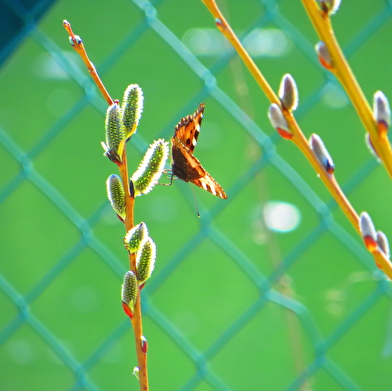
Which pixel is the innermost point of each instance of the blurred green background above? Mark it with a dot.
(271, 289)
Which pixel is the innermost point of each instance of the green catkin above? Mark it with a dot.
(115, 131)
(132, 108)
(116, 194)
(151, 167)
(135, 237)
(145, 260)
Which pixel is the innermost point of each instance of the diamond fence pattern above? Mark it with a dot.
(240, 299)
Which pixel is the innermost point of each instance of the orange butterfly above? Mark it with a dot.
(184, 165)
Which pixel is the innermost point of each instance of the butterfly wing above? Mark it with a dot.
(208, 183)
(185, 166)
(188, 129)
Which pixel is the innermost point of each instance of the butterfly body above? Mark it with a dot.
(185, 166)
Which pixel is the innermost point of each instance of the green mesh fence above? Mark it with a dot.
(271, 289)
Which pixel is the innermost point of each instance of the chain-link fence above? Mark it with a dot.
(271, 289)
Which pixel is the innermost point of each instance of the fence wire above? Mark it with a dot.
(268, 290)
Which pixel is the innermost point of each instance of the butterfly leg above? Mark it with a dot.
(168, 173)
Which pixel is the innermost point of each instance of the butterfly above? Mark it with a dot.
(184, 165)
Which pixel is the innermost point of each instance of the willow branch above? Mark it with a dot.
(341, 69)
(78, 46)
(136, 320)
(298, 137)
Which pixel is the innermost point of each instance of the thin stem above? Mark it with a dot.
(284, 284)
(226, 30)
(297, 135)
(136, 320)
(77, 44)
(329, 180)
(341, 69)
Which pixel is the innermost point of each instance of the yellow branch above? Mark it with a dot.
(77, 44)
(226, 30)
(136, 320)
(341, 69)
(297, 135)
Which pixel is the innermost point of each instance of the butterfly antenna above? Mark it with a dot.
(196, 205)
